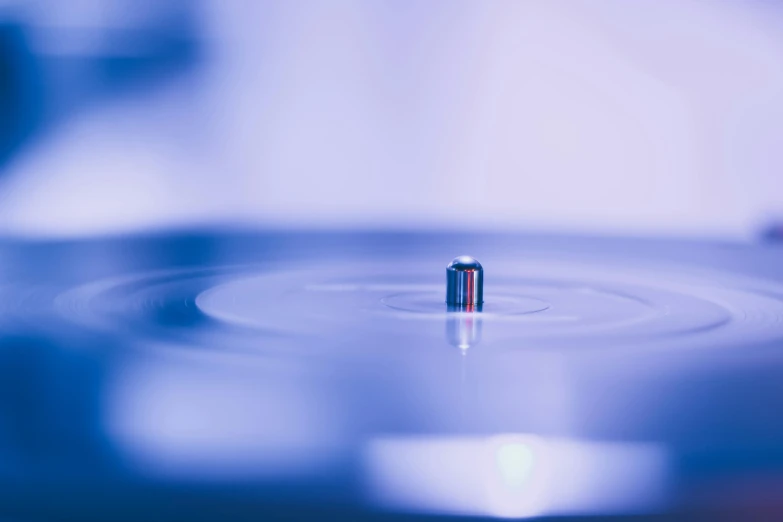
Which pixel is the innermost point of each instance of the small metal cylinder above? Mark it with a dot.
(464, 282)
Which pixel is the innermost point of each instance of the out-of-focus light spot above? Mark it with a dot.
(515, 462)
(516, 476)
(195, 421)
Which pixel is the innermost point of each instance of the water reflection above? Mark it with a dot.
(516, 475)
(463, 326)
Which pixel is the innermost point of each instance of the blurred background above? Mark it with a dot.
(645, 118)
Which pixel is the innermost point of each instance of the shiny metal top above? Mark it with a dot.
(464, 282)
(465, 264)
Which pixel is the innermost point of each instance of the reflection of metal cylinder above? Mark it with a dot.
(463, 330)
(464, 282)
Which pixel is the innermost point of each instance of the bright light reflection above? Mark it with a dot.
(516, 475)
(515, 463)
(188, 418)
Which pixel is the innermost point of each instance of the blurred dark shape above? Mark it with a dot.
(20, 90)
(43, 83)
(130, 58)
(773, 233)
(45, 385)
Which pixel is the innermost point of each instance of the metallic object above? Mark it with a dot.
(464, 282)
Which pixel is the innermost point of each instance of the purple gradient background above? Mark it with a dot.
(653, 117)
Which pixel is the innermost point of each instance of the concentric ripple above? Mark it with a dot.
(555, 303)
(541, 303)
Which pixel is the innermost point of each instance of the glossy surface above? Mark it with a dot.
(464, 282)
(149, 378)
